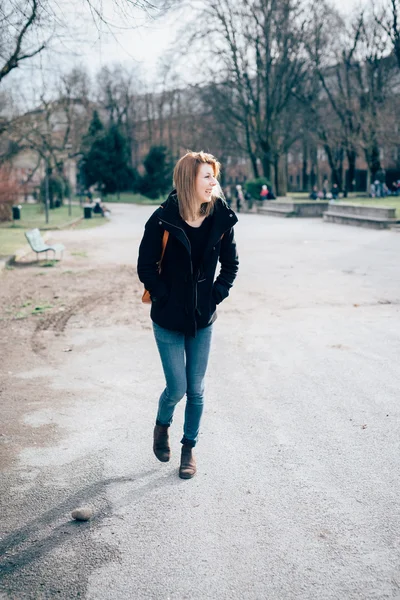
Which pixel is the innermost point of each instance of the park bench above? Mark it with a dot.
(375, 217)
(277, 208)
(38, 244)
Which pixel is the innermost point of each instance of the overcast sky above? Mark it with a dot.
(149, 41)
(85, 45)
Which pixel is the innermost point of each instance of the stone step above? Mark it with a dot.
(359, 220)
(294, 209)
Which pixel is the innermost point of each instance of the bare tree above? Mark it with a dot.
(117, 90)
(388, 18)
(53, 131)
(350, 70)
(27, 26)
(21, 32)
(331, 50)
(256, 56)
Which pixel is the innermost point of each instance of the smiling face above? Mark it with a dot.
(205, 183)
(197, 188)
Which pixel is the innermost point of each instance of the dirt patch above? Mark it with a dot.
(37, 305)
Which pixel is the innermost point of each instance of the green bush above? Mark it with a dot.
(105, 160)
(253, 186)
(56, 189)
(158, 177)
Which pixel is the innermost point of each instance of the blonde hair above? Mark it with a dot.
(185, 174)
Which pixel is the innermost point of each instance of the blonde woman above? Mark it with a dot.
(185, 293)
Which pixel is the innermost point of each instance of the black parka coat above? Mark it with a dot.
(181, 299)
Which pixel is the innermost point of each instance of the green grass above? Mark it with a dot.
(80, 253)
(356, 198)
(128, 198)
(32, 215)
(95, 221)
(41, 308)
(10, 241)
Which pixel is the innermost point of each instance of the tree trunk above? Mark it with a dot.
(254, 165)
(340, 169)
(282, 176)
(314, 168)
(276, 175)
(280, 182)
(334, 169)
(374, 159)
(266, 166)
(305, 178)
(351, 173)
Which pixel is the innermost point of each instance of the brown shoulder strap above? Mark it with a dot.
(164, 243)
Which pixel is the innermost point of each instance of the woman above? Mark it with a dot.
(183, 292)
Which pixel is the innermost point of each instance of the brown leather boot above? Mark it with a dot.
(161, 446)
(187, 470)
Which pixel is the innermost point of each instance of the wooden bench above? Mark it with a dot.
(375, 217)
(38, 244)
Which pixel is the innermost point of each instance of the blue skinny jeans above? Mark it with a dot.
(184, 360)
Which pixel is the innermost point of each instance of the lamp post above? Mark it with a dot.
(68, 147)
(48, 170)
(47, 190)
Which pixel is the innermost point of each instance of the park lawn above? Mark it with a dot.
(10, 241)
(355, 198)
(33, 215)
(127, 198)
(12, 233)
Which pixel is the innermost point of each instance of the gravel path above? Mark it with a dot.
(297, 492)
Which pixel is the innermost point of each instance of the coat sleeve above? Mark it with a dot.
(149, 256)
(229, 260)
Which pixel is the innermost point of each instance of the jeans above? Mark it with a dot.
(184, 360)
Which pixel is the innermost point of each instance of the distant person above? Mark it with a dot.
(185, 293)
(314, 193)
(325, 185)
(100, 208)
(372, 190)
(228, 195)
(239, 198)
(380, 177)
(335, 191)
(249, 200)
(97, 209)
(263, 193)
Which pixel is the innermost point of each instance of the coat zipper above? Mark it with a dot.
(191, 268)
(191, 265)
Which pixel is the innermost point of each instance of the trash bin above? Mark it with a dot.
(16, 212)
(87, 211)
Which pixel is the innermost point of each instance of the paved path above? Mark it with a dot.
(297, 494)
